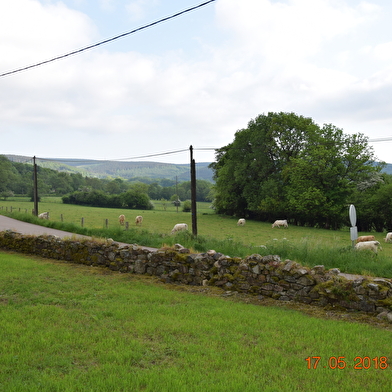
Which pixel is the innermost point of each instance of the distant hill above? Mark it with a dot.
(129, 170)
(125, 170)
(388, 168)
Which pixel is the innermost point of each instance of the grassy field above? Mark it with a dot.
(71, 328)
(308, 246)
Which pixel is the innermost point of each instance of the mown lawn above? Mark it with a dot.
(74, 328)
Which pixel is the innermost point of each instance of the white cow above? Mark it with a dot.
(44, 215)
(121, 219)
(179, 227)
(388, 238)
(368, 245)
(139, 220)
(241, 222)
(279, 223)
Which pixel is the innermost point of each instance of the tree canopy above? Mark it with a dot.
(285, 166)
(17, 179)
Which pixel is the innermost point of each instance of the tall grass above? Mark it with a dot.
(311, 253)
(74, 328)
(308, 246)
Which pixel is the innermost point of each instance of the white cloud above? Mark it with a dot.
(383, 51)
(288, 31)
(32, 32)
(313, 57)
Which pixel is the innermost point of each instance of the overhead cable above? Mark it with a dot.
(381, 139)
(151, 156)
(76, 160)
(107, 40)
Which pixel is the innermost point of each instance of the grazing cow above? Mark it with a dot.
(44, 215)
(368, 245)
(241, 222)
(388, 238)
(121, 219)
(364, 238)
(279, 223)
(179, 227)
(139, 220)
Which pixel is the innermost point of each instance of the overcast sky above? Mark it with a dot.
(193, 80)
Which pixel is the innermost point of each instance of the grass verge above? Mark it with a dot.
(76, 328)
(308, 249)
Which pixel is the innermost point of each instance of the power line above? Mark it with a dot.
(107, 40)
(152, 155)
(81, 160)
(381, 139)
(76, 160)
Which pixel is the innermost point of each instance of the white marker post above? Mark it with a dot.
(353, 219)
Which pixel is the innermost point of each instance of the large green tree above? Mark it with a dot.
(373, 202)
(285, 166)
(322, 177)
(248, 172)
(8, 174)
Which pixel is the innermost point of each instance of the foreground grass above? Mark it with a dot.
(75, 328)
(308, 246)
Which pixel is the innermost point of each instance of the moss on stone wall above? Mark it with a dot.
(255, 275)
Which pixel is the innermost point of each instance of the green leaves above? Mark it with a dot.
(286, 165)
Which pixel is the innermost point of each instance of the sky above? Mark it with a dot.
(193, 80)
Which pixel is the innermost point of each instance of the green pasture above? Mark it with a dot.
(164, 216)
(306, 245)
(71, 328)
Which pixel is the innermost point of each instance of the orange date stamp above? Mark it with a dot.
(358, 363)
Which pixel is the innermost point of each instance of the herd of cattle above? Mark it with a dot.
(366, 242)
(138, 220)
(277, 223)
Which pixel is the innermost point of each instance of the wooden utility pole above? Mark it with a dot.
(177, 201)
(193, 193)
(35, 190)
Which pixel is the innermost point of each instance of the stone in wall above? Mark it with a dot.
(255, 274)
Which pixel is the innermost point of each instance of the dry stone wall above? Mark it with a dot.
(257, 275)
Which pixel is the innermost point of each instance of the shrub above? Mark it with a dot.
(187, 207)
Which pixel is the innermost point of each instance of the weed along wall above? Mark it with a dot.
(255, 275)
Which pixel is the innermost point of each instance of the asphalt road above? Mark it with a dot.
(7, 223)
(25, 228)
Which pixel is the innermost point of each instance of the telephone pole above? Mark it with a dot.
(35, 190)
(193, 193)
(178, 200)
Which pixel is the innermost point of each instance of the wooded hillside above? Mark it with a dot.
(125, 170)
